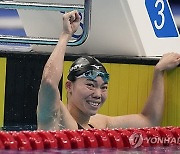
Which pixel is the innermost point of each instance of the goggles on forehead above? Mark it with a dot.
(92, 74)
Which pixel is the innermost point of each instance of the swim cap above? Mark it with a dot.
(84, 64)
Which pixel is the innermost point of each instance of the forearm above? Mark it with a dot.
(54, 66)
(154, 106)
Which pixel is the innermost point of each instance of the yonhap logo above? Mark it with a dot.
(136, 140)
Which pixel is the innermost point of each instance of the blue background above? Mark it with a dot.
(169, 29)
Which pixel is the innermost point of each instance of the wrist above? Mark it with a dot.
(65, 36)
(158, 69)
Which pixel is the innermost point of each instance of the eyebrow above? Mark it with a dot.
(92, 80)
(96, 81)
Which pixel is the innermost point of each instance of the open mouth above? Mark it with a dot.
(94, 104)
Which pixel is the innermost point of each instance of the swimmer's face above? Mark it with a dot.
(89, 95)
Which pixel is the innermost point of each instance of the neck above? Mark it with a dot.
(78, 115)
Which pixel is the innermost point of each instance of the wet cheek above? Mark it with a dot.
(84, 93)
(104, 97)
(86, 90)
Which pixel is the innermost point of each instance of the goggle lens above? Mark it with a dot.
(93, 74)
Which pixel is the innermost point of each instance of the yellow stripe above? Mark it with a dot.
(172, 97)
(150, 77)
(133, 91)
(2, 88)
(164, 122)
(67, 65)
(178, 98)
(142, 87)
(123, 89)
(113, 88)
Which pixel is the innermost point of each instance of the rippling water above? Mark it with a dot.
(157, 150)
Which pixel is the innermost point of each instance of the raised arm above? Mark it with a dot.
(50, 108)
(154, 106)
(152, 112)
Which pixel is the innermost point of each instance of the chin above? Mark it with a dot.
(92, 114)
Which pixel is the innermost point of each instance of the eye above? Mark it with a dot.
(105, 87)
(90, 85)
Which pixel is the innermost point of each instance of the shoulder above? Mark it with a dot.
(99, 121)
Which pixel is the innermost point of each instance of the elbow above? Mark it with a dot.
(50, 78)
(46, 77)
(46, 80)
(46, 87)
(48, 83)
(151, 121)
(47, 92)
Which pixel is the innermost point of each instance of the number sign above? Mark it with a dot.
(161, 18)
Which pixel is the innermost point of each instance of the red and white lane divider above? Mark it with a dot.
(91, 138)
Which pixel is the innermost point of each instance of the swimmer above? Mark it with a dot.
(87, 90)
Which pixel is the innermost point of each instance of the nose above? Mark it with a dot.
(97, 93)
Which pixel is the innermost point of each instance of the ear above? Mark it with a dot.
(68, 86)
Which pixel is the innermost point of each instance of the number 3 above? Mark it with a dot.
(161, 14)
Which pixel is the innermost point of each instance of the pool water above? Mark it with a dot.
(157, 150)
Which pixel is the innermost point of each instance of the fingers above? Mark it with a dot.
(172, 55)
(175, 58)
(77, 17)
(72, 16)
(168, 61)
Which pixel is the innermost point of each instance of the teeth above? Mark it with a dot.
(93, 104)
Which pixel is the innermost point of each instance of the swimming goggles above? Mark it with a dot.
(92, 74)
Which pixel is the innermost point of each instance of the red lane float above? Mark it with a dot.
(176, 133)
(8, 141)
(153, 134)
(1, 145)
(125, 134)
(101, 137)
(75, 138)
(62, 140)
(48, 139)
(22, 141)
(115, 138)
(90, 138)
(35, 140)
(166, 135)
